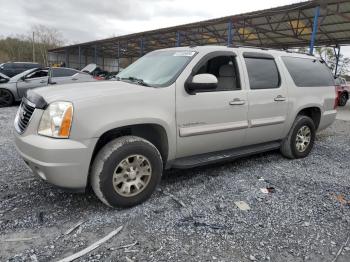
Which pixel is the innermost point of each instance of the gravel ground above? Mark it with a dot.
(306, 218)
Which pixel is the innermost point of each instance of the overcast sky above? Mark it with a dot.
(86, 20)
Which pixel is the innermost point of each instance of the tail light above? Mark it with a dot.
(336, 101)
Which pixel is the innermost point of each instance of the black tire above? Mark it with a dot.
(6, 98)
(343, 99)
(289, 145)
(112, 155)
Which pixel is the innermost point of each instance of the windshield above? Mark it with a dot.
(159, 68)
(17, 77)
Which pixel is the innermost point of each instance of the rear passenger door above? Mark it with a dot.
(267, 98)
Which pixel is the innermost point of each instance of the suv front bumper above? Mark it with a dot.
(62, 162)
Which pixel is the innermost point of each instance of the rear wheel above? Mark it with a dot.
(6, 98)
(343, 99)
(301, 138)
(126, 171)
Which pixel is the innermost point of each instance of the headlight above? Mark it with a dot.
(57, 120)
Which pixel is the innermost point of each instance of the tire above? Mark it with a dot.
(132, 162)
(343, 99)
(6, 98)
(290, 144)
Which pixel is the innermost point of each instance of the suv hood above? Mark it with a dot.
(80, 92)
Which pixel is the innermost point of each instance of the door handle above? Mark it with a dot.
(280, 98)
(237, 102)
(42, 81)
(74, 79)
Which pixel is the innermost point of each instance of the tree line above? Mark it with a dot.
(31, 47)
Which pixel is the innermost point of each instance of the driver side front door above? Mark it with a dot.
(35, 79)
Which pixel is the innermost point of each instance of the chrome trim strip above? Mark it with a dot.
(212, 128)
(267, 121)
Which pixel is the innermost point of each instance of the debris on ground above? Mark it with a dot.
(341, 249)
(92, 247)
(74, 227)
(242, 205)
(176, 199)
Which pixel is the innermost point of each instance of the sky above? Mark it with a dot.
(87, 20)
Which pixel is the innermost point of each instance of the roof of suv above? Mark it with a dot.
(214, 48)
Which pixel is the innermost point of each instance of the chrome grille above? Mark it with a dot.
(24, 116)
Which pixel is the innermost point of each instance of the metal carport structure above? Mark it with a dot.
(310, 23)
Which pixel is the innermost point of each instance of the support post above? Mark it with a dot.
(178, 39)
(118, 56)
(337, 56)
(67, 58)
(141, 47)
(229, 33)
(95, 54)
(314, 30)
(79, 51)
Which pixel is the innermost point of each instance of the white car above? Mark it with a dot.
(14, 89)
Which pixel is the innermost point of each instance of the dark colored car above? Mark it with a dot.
(14, 68)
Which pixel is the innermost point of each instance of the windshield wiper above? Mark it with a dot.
(136, 80)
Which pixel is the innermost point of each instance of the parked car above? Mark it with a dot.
(17, 86)
(15, 68)
(343, 90)
(174, 108)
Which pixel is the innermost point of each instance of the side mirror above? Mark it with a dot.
(24, 79)
(201, 82)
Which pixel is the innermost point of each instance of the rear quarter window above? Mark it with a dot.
(307, 72)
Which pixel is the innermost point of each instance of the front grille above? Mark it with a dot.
(24, 115)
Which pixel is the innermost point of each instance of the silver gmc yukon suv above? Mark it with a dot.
(173, 108)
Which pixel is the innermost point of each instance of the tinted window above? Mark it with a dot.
(62, 72)
(263, 73)
(37, 74)
(308, 72)
(28, 66)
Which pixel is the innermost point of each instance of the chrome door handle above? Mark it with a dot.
(237, 102)
(280, 98)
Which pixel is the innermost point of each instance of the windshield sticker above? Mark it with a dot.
(185, 53)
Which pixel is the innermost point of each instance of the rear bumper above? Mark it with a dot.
(62, 162)
(327, 119)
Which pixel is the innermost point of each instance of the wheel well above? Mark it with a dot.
(314, 113)
(154, 133)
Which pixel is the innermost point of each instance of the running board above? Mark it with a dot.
(222, 156)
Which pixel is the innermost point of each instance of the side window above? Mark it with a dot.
(37, 74)
(308, 72)
(263, 73)
(225, 69)
(63, 72)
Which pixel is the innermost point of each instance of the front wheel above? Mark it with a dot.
(301, 138)
(6, 98)
(126, 171)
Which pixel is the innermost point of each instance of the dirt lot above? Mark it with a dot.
(306, 218)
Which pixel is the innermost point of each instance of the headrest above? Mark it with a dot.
(226, 71)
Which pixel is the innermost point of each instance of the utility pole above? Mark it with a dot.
(33, 47)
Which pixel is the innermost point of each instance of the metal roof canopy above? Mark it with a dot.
(307, 23)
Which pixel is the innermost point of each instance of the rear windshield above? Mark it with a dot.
(308, 72)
